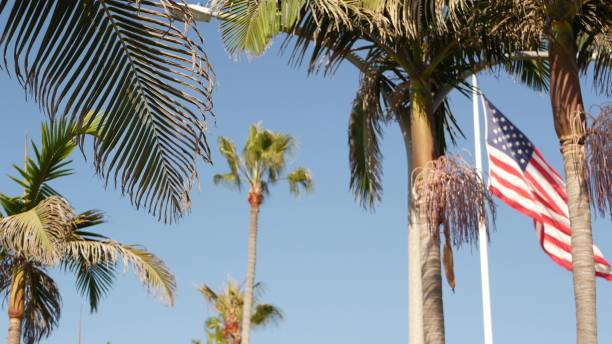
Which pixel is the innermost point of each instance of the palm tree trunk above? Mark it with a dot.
(433, 311)
(255, 201)
(568, 112)
(423, 150)
(15, 308)
(14, 330)
(415, 290)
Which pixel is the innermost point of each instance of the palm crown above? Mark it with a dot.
(40, 230)
(262, 163)
(225, 327)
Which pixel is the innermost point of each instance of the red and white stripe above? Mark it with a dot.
(539, 192)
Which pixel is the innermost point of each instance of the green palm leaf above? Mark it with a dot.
(364, 154)
(94, 278)
(43, 309)
(266, 314)
(135, 64)
(59, 140)
(299, 178)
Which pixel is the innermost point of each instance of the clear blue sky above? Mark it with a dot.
(339, 273)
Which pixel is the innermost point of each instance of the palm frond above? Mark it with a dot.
(266, 314)
(228, 150)
(136, 65)
(228, 179)
(601, 49)
(58, 140)
(152, 271)
(34, 234)
(214, 331)
(250, 25)
(92, 280)
(598, 144)
(365, 158)
(534, 73)
(300, 177)
(208, 293)
(87, 219)
(42, 306)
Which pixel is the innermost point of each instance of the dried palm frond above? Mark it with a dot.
(598, 144)
(452, 192)
(447, 258)
(105, 254)
(35, 234)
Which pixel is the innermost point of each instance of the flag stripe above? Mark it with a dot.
(559, 186)
(550, 196)
(602, 267)
(528, 203)
(529, 212)
(540, 158)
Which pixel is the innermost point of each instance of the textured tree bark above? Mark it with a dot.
(16, 308)
(423, 150)
(582, 246)
(569, 119)
(255, 201)
(433, 311)
(14, 331)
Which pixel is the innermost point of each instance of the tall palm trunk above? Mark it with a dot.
(255, 202)
(415, 290)
(568, 112)
(16, 308)
(423, 150)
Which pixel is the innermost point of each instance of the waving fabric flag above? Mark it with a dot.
(519, 176)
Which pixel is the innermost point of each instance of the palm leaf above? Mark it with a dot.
(228, 150)
(35, 234)
(93, 278)
(300, 177)
(138, 66)
(93, 250)
(266, 314)
(208, 294)
(365, 157)
(58, 140)
(252, 24)
(42, 306)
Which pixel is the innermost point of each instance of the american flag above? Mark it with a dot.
(521, 178)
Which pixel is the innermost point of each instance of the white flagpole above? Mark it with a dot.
(484, 255)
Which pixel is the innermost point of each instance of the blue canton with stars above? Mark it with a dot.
(507, 138)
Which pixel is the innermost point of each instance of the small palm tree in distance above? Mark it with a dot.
(224, 328)
(262, 163)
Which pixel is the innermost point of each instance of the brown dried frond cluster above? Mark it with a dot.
(598, 144)
(452, 193)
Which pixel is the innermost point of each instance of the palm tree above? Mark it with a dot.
(577, 36)
(224, 328)
(140, 64)
(411, 54)
(261, 164)
(40, 231)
